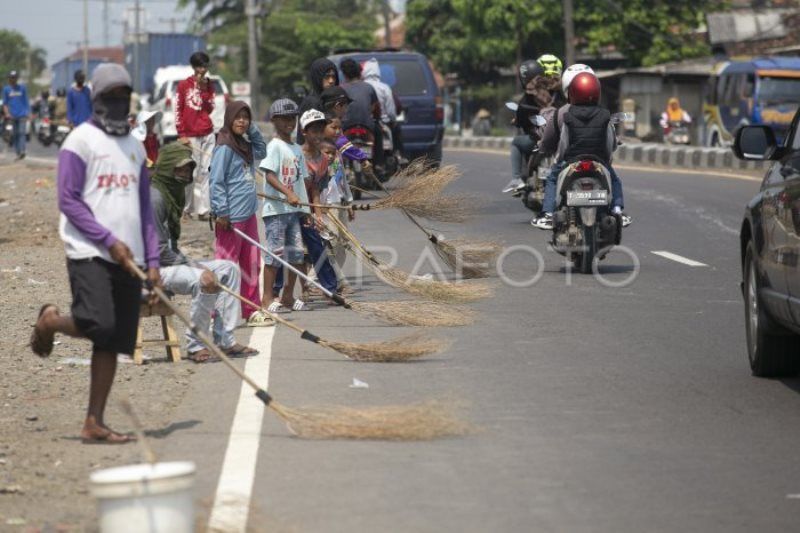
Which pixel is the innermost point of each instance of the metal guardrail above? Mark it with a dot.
(655, 154)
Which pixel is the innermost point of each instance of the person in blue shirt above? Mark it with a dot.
(79, 101)
(16, 108)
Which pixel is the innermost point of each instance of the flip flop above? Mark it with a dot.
(202, 356)
(113, 438)
(240, 350)
(42, 345)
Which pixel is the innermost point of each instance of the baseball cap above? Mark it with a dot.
(283, 107)
(311, 116)
(140, 131)
(13, 74)
(108, 76)
(334, 94)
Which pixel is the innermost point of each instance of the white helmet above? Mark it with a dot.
(571, 72)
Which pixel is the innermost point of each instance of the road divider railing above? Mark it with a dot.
(651, 154)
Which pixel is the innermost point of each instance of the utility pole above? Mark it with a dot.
(387, 21)
(135, 72)
(569, 32)
(252, 56)
(86, 37)
(106, 24)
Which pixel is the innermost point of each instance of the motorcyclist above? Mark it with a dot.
(59, 117)
(371, 73)
(673, 113)
(580, 128)
(540, 80)
(364, 109)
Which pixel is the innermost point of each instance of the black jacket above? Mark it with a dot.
(587, 129)
(313, 101)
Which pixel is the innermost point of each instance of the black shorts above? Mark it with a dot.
(105, 303)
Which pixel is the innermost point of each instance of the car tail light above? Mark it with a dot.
(168, 104)
(439, 113)
(585, 166)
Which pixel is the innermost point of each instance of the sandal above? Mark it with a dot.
(260, 319)
(202, 356)
(41, 344)
(276, 307)
(240, 350)
(299, 305)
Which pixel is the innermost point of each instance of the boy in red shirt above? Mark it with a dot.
(193, 107)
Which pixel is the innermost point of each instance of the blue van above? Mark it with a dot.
(411, 78)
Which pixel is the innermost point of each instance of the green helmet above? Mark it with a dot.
(551, 64)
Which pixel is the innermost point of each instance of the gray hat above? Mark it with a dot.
(283, 107)
(109, 76)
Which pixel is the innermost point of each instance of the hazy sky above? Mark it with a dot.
(56, 25)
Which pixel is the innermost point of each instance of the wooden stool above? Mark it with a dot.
(170, 341)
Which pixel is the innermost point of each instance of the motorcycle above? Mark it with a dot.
(8, 132)
(538, 165)
(584, 227)
(45, 131)
(362, 138)
(392, 156)
(61, 132)
(678, 133)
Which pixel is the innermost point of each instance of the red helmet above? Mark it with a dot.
(584, 89)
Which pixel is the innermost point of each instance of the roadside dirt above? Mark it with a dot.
(44, 469)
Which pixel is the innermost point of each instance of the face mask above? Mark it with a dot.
(111, 114)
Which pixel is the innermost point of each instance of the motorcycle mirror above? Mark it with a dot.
(538, 120)
(513, 106)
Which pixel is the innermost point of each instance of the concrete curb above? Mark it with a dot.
(654, 154)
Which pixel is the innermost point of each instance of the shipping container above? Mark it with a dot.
(158, 50)
(64, 70)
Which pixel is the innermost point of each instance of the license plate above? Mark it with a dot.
(587, 198)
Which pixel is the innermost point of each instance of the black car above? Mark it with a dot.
(770, 248)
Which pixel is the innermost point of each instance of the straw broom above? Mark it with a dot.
(442, 291)
(427, 314)
(423, 421)
(406, 348)
(470, 258)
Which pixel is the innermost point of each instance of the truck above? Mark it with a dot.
(158, 50)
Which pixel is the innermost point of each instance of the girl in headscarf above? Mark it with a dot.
(234, 202)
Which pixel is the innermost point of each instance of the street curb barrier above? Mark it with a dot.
(649, 154)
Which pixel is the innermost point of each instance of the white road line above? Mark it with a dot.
(680, 259)
(234, 490)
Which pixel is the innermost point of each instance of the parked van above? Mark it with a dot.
(410, 76)
(166, 83)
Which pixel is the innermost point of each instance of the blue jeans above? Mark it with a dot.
(19, 134)
(318, 254)
(284, 238)
(549, 203)
(521, 146)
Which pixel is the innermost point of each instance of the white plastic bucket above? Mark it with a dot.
(145, 498)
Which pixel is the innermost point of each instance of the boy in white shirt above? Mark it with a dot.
(286, 172)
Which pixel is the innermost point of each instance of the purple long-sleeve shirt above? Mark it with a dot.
(71, 181)
(349, 150)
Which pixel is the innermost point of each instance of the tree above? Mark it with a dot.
(16, 52)
(476, 39)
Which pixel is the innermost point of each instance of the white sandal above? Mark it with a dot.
(299, 305)
(277, 307)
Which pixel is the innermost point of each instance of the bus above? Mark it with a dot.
(764, 91)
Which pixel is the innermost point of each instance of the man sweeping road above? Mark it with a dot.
(106, 223)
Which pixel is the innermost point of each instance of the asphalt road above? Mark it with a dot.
(600, 408)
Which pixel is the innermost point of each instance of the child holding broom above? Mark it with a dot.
(234, 203)
(286, 172)
(107, 225)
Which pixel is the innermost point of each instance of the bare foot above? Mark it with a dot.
(42, 336)
(93, 433)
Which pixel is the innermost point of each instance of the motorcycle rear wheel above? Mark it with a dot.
(589, 249)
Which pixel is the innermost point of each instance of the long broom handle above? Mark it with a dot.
(352, 238)
(333, 296)
(304, 204)
(262, 394)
